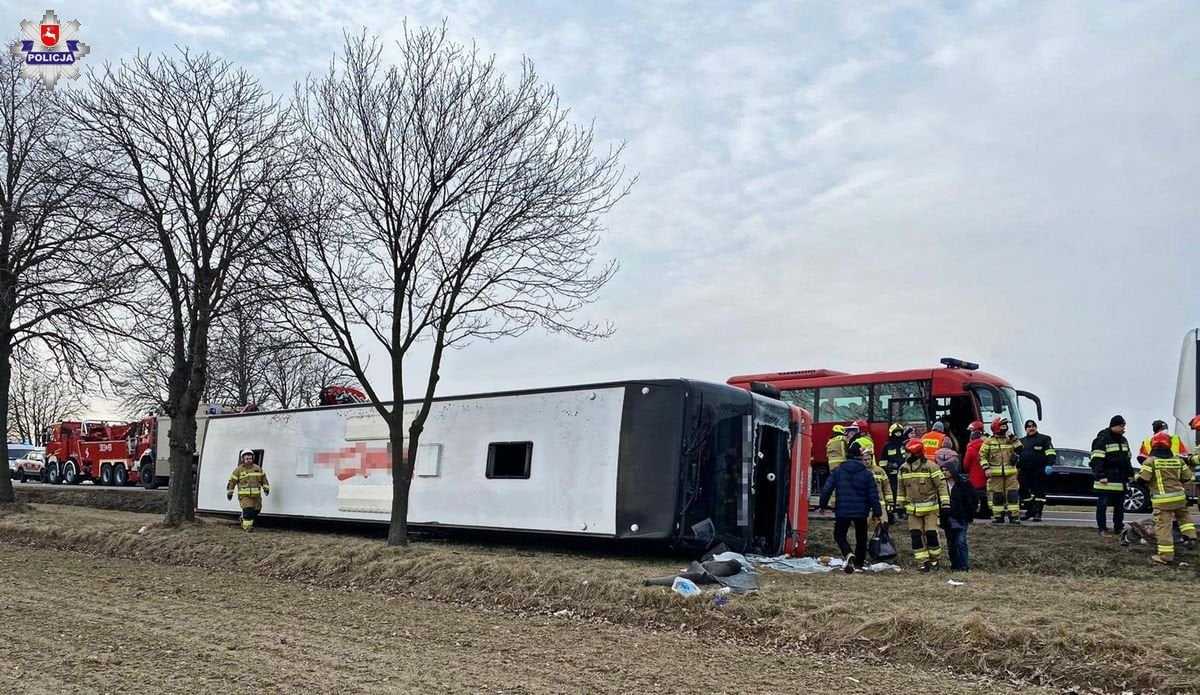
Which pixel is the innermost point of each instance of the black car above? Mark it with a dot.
(1071, 481)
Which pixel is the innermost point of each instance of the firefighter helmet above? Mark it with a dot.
(976, 426)
(1158, 426)
(838, 429)
(1162, 439)
(896, 428)
(243, 453)
(860, 425)
(999, 425)
(1195, 423)
(914, 447)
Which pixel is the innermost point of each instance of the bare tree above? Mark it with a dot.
(294, 375)
(39, 396)
(191, 148)
(56, 276)
(241, 344)
(440, 203)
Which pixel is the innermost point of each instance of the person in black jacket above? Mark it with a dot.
(958, 518)
(857, 495)
(1112, 468)
(892, 457)
(1033, 458)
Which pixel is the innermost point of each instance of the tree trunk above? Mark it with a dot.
(180, 494)
(7, 494)
(402, 474)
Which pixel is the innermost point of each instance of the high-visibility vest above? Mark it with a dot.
(868, 449)
(1167, 477)
(932, 441)
(835, 451)
(1177, 447)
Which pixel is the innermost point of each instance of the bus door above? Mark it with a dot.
(958, 412)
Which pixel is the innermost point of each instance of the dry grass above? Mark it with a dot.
(120, 499)
(1055, 606)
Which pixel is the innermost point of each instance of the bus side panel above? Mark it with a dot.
(648, 472)
(334, 463)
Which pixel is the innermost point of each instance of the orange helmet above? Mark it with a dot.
(1162, 439)
(1195, 423)
(999, 425)
(914, 446)
(861, 425)
(976, 426)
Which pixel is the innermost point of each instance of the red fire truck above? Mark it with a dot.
(956, 394)
(108, 453)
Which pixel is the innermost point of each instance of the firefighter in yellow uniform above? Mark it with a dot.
(886, 498)
(835, 453)
(250, 483)
(1165, 474)
(998, 457)
(924, 494)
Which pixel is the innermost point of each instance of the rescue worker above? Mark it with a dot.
(1112, 469)
(1035, 458)
(998, 457)
(859, 492)
(932, 440)
(1178, 448)
(835, 452)
(887, 500)
(924, 495)
(1166, 474)
(865, 441)
(975, 473)
(892, 459)
(250, 483)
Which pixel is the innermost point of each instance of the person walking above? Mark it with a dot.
(857, 496)
(924, 494)
(1035, 457)
(250, 482)
(1178, 448)
(975, 472)
(1112, 469)
(1166, 475)
(998, 456)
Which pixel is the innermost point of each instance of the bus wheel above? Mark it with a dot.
(106, 475)
(147, 474)
(52, 475)
(71, 473)
(120, 475)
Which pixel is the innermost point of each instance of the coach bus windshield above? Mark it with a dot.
(997, 402)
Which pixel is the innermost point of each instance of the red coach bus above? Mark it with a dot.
(955, 394)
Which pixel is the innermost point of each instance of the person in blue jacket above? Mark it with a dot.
(857, 496)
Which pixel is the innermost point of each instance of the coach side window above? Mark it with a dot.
(901, 401)
(509, 459)
(842, 403)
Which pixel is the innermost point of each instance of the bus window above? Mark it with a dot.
(901, 401)
(804, 398)
(842, 403)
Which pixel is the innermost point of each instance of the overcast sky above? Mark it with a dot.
(821, 185)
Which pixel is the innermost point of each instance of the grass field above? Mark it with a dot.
(1056, 608)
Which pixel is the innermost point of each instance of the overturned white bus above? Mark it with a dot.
(684, 462)
(1187, 387)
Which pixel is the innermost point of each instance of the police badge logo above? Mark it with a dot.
(50, 49)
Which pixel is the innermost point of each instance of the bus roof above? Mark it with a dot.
(812, 378)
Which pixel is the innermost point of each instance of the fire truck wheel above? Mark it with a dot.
(120, 475)
(149, 481)
(106, 475)
(71, 473)
(52, 476)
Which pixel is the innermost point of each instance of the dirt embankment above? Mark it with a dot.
(131, 499)
(1055, 607)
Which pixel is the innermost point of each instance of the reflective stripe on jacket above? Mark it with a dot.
(249, 482)
(1110, 461)
(835, 451)
(998, 456)
(922, 489)
(1167, 477)
(1178, 448)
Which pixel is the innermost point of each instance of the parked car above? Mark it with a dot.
(1071, 481)
(25, 462)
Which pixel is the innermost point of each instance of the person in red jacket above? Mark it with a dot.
(974, 471)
